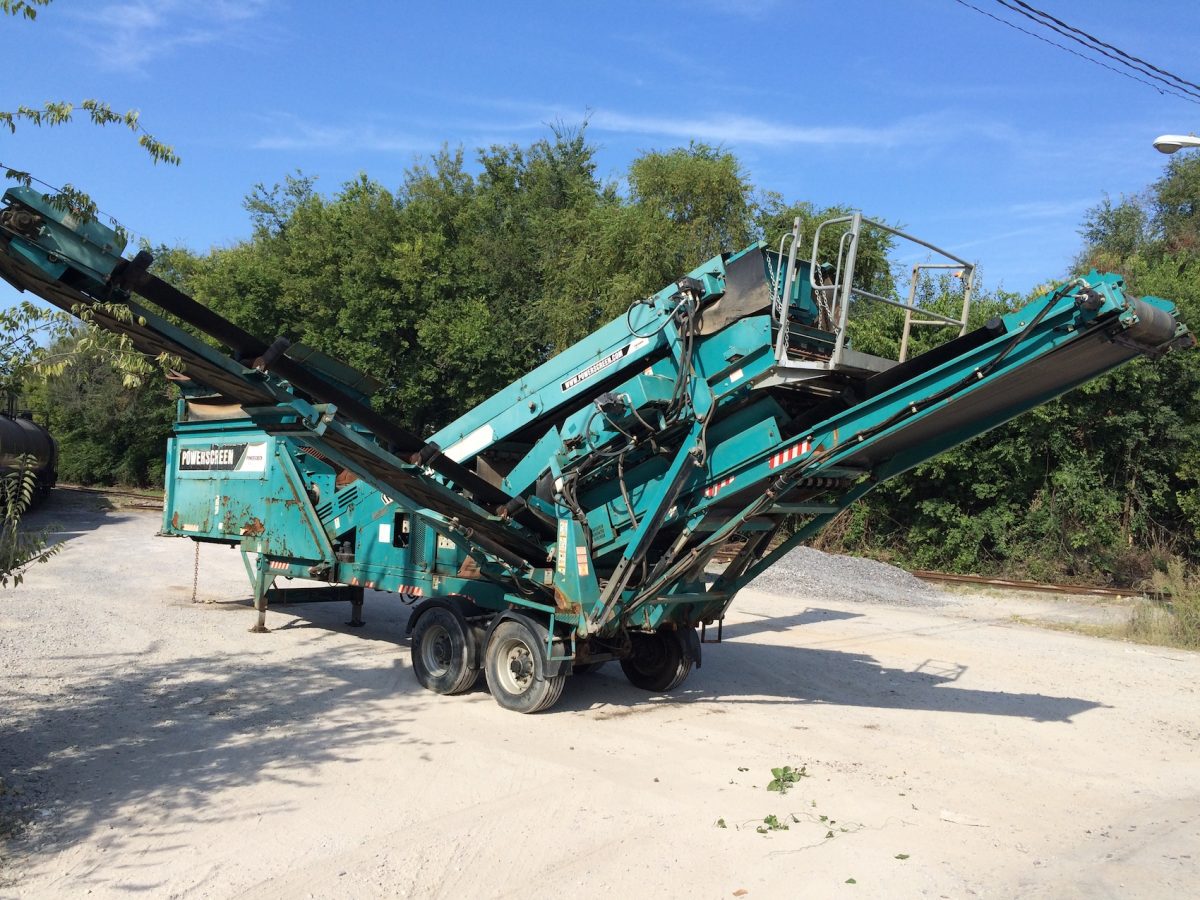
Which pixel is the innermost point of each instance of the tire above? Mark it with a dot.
(514, 668)
(658, 662)
(442, 652)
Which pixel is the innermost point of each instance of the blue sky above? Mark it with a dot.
(921, 112)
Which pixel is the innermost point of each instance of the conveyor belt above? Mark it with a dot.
(1005, 396)
(153, 336)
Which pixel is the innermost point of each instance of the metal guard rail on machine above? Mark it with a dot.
(569, 519)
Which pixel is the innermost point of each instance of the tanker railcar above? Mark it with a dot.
(22, 439)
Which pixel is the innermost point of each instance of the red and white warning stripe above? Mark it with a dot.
(786, 456)
(415, 590)
(279, 564)
(713, 489)
(316, 454)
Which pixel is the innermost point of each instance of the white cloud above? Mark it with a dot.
(751, 9)
(130, 34)
(743, 130)
(1048, 209)
(517, 119)
(293, 133)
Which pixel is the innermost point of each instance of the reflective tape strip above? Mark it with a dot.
(786, 456)
(713, 489)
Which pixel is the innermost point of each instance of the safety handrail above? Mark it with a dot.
(843, 289)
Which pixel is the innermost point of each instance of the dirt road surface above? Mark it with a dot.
(153, 746)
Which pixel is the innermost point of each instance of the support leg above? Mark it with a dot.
(356, 605)
(261, 581)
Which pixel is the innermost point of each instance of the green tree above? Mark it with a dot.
(106, 432)
(1103, 484)
(459, 281)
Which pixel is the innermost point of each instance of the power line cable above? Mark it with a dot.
(1007, 5)
(20, 176)
(1100, 43)
(1096, 62)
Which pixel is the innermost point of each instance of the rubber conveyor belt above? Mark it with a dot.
(999, 399)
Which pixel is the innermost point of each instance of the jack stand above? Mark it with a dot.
(260, 580)
(356, 605)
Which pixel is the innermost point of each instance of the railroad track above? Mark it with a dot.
(1077, 590)
(146, 500)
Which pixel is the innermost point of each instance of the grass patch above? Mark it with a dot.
(1175, 625)
(1172, 619)
(1091, 629)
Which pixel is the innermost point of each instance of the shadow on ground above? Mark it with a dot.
(67, 514)
(744, 671)
(114, 730)
(172, 735)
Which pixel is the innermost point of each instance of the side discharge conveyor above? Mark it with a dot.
(569, 519)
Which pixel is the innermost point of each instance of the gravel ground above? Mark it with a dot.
(154, 746)
(806, 572)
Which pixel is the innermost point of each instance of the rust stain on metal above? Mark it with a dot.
(566, 604)
(253, 528)
(469, 568)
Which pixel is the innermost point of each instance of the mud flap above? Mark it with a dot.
(689, 640)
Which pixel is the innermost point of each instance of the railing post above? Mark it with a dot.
(908, 313)
(781, 344)
(968, 287)
(847, 290)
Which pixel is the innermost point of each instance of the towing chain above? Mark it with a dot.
(196, 574)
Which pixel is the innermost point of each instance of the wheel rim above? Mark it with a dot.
(515, 668)
(651, 655)
(437, 650)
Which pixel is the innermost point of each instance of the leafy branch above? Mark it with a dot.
(26, 8)
(20, 549)
(54, 113)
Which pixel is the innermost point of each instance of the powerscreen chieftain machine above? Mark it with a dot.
(568, 520)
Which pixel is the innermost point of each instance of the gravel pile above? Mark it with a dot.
(806, 572)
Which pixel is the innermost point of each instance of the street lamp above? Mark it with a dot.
(1169, 143)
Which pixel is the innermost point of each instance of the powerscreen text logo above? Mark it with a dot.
(224, 458)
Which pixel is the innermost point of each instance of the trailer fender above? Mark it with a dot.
(689, 639)
(461, 609)
(546, 667)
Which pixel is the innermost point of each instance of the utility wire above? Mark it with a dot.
(1096, 62)
(1100, 43)
(20, 176)
(1010, 5)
